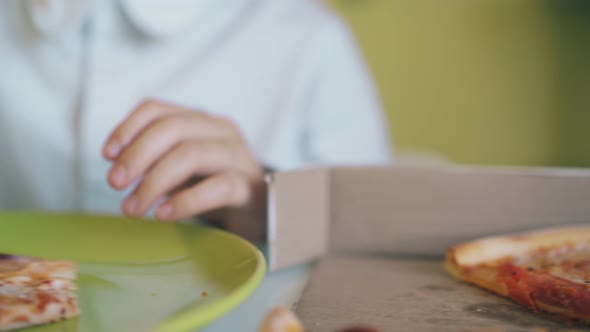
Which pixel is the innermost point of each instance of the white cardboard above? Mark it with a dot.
(401, 210)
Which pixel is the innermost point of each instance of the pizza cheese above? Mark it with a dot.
(35, 291)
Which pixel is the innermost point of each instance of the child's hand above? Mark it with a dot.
(198, 162)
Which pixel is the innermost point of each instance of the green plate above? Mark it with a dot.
(139, 275)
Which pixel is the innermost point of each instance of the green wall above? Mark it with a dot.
(572, 80)
(487, 81)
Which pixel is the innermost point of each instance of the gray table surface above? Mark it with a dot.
(280, 288)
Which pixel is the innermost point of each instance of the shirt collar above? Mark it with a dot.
(154, 18)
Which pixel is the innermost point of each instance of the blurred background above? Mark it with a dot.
(481, 82)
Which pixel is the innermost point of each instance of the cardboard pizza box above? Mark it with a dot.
(378, 236)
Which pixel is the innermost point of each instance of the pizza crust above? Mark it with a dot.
(493, 248)
(483, 277)
(36, 268)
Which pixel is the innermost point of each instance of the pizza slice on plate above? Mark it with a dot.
(35, 291)
(546, 270)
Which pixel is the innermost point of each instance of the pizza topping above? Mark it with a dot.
(514, 278)
(560, 293)
(566, 262)
(20, 319)
(20, 279)
(44, 300)
(530, 288)
(56, 284)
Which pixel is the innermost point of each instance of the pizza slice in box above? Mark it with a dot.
(36, 291)
(546, 270)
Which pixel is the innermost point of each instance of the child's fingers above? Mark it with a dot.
(157, 139)
(218, 191)
(143, 115)
(183, 162)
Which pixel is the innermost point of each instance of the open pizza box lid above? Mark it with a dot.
(378, 235)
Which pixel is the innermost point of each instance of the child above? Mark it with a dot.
(181, 105)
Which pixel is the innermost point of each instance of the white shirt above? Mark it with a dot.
(288, 72)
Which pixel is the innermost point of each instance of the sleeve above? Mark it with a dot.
(345, 120)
